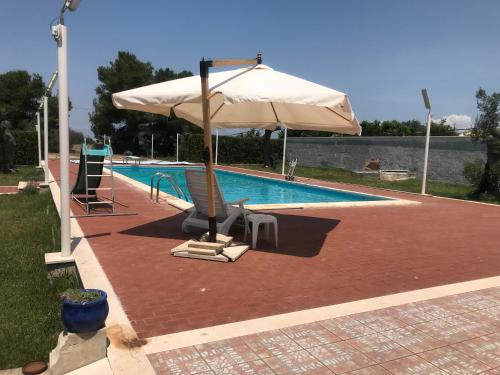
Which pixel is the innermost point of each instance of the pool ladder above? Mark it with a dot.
(159, 176)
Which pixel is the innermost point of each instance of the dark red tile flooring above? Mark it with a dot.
(326, 256)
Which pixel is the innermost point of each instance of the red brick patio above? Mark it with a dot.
(326, 256)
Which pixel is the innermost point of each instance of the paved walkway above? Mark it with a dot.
(326, 257)
(458, 334)
(8, 190)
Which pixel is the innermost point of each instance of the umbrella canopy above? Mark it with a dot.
(253, 97)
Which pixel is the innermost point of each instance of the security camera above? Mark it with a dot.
(55, 32)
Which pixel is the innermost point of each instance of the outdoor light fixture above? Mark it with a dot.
(427, 104)
(72, 5)
(51, 83)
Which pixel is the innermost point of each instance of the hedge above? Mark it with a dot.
(26, 147)
(232, 150)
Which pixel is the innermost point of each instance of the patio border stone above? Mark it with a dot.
(121, 358)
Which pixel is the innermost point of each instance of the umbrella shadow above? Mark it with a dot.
(167, 228)
(301, 236)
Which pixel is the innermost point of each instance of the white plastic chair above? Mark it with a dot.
(226, 212)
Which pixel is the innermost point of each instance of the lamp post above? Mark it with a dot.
(52, 81)
(427, 138)
(284, 153)
(216, 146)
(177, 148)
(152, 145)
(37, 126)
(60, 34)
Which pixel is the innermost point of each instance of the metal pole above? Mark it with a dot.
(152, 146)
(216, 146)
(62, 61)
(37, 126)
(46, 137)
(426, 156)
(207, 152)
(177, 148)
(284, 154)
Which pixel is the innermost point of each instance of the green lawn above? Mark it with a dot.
(24, 173)
(30, 307)
(344, 176)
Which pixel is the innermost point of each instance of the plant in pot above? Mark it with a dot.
(84, 310)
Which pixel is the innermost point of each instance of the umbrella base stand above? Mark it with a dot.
(224, 250)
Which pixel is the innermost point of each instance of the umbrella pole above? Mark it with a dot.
(207, 152)
(207, 134)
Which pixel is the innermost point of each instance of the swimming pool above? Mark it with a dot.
(259, 190)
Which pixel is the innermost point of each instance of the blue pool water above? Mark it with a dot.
(259, 190)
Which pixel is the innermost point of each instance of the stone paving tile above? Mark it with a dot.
(372, 370)
(300, 362)
(346, 327)
(454, 329)
(225, 353)
(249, 368)
(494, 292)
(413, 365)
(485, 349)
(489, 316)
(444, 307)
(413, 339)
(423, 328)
(310, 335)
(340, 357)
(379, 347)
(179, 361)
(419, 312)
(476, 300)
(494, 371)
(271, 343)
(379, 320)
(454, 362)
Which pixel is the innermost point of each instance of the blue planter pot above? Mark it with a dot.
(85, 317)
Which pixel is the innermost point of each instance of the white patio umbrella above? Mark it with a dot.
(252, 97)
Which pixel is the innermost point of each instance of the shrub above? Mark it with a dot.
(473, 171)
(26, 147)
(30, 188)
(238, 150)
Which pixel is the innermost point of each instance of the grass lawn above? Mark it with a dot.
(30, 307)
(345, 176)
(24, 173)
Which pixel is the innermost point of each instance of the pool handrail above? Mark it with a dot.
(171, 181)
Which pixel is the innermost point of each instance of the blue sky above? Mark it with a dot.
(379, 52)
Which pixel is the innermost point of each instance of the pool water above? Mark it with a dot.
(259, 190)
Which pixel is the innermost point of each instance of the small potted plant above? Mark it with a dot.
(84, 310)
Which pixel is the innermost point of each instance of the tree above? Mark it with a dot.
(20, 95)
(250, 133)
(304, 133)
(128, 128)
(442, 129)
(486, 129)
(405, 128)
